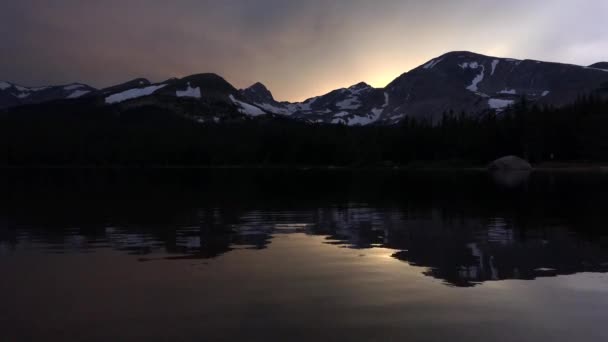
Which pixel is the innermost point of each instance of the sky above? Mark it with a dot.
(298, 49)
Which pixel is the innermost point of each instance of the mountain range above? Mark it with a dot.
(456, 82)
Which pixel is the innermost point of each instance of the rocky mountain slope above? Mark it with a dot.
(474, 83)
(454, 82)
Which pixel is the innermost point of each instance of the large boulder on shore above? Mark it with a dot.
(510, 163)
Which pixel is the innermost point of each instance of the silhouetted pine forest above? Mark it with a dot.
(78, 134)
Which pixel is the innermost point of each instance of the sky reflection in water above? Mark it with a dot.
(232, 255)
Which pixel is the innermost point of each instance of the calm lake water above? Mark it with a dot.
(256, 255)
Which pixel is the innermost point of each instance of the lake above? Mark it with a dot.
(302, 255)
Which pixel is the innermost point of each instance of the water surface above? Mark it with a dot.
(214, 255)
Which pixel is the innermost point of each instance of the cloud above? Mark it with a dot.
(298, 48)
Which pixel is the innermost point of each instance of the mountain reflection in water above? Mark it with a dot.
(460, 227)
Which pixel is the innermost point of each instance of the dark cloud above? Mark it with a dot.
(298, 48)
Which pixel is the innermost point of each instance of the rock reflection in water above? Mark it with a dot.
(510, 178)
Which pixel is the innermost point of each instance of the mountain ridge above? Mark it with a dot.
(457, 81)
(600, 65)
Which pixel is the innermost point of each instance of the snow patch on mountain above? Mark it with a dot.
(246, 108)
(305, 106)
(350, 119)
(396, 117)
(508, 91)
(432, 63)
(346, 118)
(362, 120)
(478, 79)
(377, 111)
(494, 65)
(133, 93)
(341, 114)
(349, 103)
(467, 65)
(274, 109)
(499, 105)
(189, 92)
(545, 93)
(23, 91)
(77, 94)
(73, 87)
(39, 88)
(292, 107)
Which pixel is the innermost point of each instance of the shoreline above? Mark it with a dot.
(542, 167)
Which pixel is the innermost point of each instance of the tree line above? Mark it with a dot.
(65, 134)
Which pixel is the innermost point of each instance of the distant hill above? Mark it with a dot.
(12, 95)
(600, 65)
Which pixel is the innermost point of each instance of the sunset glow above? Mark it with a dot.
(298, 49)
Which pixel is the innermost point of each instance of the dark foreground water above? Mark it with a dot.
(254, 255)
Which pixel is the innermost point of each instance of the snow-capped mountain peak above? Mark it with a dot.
(463, 81)
(458, 81)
